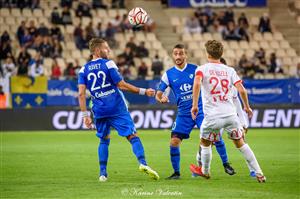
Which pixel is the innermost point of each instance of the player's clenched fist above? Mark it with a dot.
(194, 112)
(88, 122)
(164, 99)
(150, 92)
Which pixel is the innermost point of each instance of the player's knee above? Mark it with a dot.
(205, 142)
(105, 140)
(239, 143)
(129, 137)
(175, 142)
(219, 143)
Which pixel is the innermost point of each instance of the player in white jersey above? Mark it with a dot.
(196, 170)
(216, 81)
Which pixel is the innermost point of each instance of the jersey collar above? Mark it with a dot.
(180, 68)
(96, 59)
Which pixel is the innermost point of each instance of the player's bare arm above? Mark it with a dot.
(131, 88)
(161, 98)
(82, 103)
(244, 96)
(196, 94)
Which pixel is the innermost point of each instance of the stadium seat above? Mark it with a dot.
(85, 21)
(199, 53)
(193, 46)
(217, 36)
(140, 36)
(197, 37)
(26, 12)
(16, 12)
(207, 36)
(96, 21)
(71, 46)
(244, 45)
(4, 12)
(279, 76)
(1, 20)
(76, 54)
(186, 37)
(148, 44)
(112, 13)
(285, 44)
(250, 53)
(10, 21)
(278, 36)
(239, 53)
(38, 13)
(137, 61)
(269, 76)
(175, 21)
(82, 61)
(119, 37)
(122, 12)
(234, 45)
(280, 53)
(257, 36)
(274, 45)
(151, 37)
(47, 13)
(254, 21)
(291, 52)
(264, 45)
(268, 36)
(229, 54)
(102, 13)
(156, 45)
(4, 28)
(62, 64)
(254, 45)
(293, 70)
(48, 63)
(287, 61)
(32, 52)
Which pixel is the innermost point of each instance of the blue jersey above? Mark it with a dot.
(181, 82)
(101, 77)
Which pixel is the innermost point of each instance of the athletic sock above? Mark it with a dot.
(250, 158)
(206, 156)
(138, 150)
(103, 155)
(221, 149)
(175, 158)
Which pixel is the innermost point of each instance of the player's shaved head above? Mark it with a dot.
(214, 49)
(95, 43)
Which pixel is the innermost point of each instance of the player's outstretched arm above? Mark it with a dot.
(161, 98)
(82, 103)
(240, 112)
(196, 94)
(244, 96)
(131, 88)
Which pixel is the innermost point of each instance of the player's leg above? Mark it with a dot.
(103, 130)
(235, 133)
(181, 129)
(251, 170)
(206, 156)
(221, 149)
(125, 127)
(175, 155)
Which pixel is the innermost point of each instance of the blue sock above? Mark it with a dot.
(175, 158)
(138, 150)
(220, 146)
(103, 155)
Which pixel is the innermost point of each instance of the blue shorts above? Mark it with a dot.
(184, 124)
(123, 123)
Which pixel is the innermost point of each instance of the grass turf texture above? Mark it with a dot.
(65, 165)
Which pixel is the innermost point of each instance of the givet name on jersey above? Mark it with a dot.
(104, 94)
(94, 66)
(218, 73)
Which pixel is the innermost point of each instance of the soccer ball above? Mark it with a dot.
(137, 16)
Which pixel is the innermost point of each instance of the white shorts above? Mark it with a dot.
(211, 128)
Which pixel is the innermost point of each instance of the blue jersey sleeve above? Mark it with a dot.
(164, 83)
(81, 77)
(114, 72)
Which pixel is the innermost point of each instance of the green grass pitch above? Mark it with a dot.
(65, 165)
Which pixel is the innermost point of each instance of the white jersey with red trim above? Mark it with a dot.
(216, 89)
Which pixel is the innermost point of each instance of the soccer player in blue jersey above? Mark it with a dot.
(101, 77)
(180, 79)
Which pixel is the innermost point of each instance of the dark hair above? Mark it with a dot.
(94, 43)
(180, 46)
(223, 61)
(214, 48)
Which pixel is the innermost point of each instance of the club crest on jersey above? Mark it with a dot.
(185, 87)
(191, 76)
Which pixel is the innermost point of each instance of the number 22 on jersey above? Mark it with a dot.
(94, 77)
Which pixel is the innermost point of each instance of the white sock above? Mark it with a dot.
(250, 158)
(206, 156)
(249, 167)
